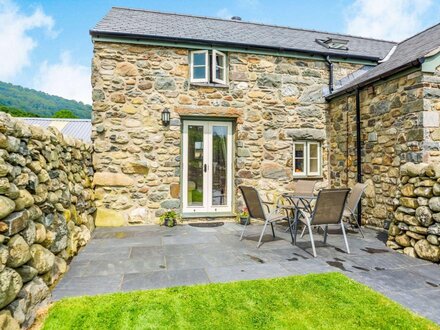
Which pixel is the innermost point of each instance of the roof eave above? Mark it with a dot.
(372, 80)
(128, 36)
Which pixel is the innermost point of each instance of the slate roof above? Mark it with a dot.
(151, 25)
(76, 128)
(410, 52)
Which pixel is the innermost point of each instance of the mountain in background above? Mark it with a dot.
(30, 101)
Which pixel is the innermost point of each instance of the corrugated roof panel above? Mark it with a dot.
(75, 128)
(43, 122)
(79, 130)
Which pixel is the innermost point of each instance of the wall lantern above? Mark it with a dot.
(166, 117)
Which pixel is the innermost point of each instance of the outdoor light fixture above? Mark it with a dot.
(166, 117)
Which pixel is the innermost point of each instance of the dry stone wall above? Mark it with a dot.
(272, 99)
(415, 230)
(46, 206)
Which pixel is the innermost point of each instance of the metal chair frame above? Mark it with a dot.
(257, 211)
(315, 218)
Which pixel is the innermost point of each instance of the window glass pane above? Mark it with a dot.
(219, 73)
(219, 165)
(313, 150)
(299, 165)
(299, 158)
(199, 72)
(299, 150)
(219, 60)
(199, 59)
(313, 165)
(195, 165)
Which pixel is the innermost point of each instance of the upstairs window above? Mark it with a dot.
(306, 158)
(208, 67)
(199, 66)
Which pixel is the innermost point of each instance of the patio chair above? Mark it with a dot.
(257, 211)
(352, 204)
(328, 210)
(304, 188)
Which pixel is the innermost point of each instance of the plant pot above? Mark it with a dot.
(243, 220)
(168, 222)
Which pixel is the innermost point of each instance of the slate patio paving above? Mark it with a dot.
(148, 257)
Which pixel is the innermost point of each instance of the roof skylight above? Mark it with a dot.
(333, 43)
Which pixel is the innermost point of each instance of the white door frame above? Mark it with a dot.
(207, 206)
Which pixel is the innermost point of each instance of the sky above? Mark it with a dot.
(45, 44)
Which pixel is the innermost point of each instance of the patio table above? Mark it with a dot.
(298, 201)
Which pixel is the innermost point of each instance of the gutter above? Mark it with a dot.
(138, 37)
(374, 79)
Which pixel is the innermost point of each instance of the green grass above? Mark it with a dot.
(324, 301)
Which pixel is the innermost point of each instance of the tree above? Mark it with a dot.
(14, 112)
(64, 113)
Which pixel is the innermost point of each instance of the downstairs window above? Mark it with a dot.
(307, 158)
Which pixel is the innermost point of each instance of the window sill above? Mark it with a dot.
(209, 85)
(308, 177)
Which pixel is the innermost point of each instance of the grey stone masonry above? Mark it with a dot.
(46, 207)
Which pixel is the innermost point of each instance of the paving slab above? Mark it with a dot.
(161, 279)
(246, 272)
(87, 285)
(148, 257)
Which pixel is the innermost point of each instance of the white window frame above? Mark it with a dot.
(318, 150)
(306, 145)
(192, 66)
(214, 66)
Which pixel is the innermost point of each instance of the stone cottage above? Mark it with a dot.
(187, 108)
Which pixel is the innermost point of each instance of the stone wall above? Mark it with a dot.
(46, 206)
(431, 106)
(415, 230)
(272, 99)
(393, 132)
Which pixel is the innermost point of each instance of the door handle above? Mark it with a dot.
(205, 168)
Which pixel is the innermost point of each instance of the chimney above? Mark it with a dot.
(236, 18)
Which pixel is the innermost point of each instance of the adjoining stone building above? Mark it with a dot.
(247, 105)
(398, 123)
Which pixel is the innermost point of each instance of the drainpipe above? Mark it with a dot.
(358, 149)
(330, 68)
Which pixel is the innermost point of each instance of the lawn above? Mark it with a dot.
(316, 301)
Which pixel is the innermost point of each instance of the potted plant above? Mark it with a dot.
(244, 217)
(168, 219)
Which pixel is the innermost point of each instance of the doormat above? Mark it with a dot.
(207, 224)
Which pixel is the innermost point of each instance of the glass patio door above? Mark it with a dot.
(207, 167)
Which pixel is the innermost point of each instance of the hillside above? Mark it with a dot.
(14, 112)
(39, 103)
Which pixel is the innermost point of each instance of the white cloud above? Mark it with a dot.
(15, 42)
(65, 79)
(386, 19)
(224, 13)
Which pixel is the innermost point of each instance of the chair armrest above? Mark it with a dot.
(286, 207)
(267, 204)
